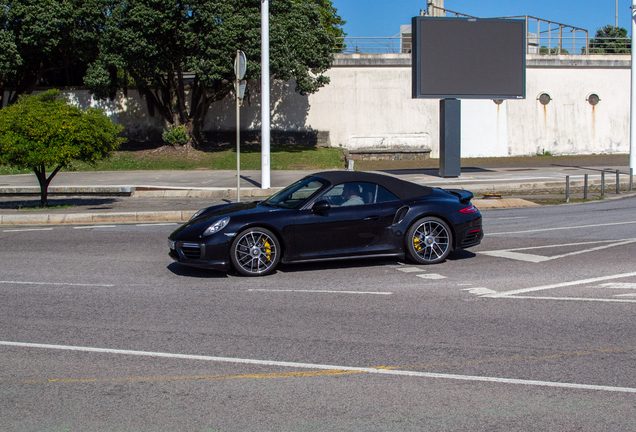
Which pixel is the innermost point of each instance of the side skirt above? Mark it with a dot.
(393, 255)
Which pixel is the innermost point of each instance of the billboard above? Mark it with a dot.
(468, 58)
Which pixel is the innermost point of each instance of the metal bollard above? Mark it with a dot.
(567, 189)
(618, 182)
(602, 184)
(585, 186)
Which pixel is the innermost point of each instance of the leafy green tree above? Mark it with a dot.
(554, 50)
(610, 40)
(180, 54)
(330, 19)
(46, 42)
(46, 131)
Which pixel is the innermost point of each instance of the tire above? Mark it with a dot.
(255, 252)
(429, 240)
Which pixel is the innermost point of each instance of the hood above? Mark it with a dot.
(208, 215)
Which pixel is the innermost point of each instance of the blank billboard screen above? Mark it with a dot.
(468, 58)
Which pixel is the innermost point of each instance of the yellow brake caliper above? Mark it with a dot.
(416, 244)
(268, 250)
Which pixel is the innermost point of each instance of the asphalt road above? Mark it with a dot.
(532, 330)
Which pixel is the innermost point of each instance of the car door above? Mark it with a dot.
(338, 231)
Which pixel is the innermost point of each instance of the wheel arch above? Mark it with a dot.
(440, 216)
(274, 230)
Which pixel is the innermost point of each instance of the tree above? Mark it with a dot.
(45, 131)
(610, 40)
(330, 20)
(180, 54)
(46, 42)
(554, 50)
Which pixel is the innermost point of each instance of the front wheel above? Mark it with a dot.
(429, 240)
(255, 252)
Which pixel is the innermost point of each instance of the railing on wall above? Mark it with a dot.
(546, 45)
(543, 37)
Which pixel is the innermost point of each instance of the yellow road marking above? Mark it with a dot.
(330, 372)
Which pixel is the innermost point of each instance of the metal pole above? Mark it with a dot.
(238, 142)
(602, 183)
(618, 182)
(265, 106)
(585, 186)
(632, 123)
(567, 189)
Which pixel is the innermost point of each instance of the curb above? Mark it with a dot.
(97, 218)
(203, 193)
(179, 216)
(146, 192)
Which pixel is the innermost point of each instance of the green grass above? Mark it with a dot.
(282, 157)
(47, 207)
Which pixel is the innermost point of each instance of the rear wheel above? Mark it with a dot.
(255, 252)
(429, 240)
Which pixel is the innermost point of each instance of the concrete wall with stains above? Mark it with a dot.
(368, 104)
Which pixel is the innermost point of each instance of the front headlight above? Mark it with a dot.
(216, 226)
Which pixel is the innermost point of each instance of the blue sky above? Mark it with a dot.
(382, 18)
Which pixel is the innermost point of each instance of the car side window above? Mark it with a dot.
(384, 196)
(352, 193)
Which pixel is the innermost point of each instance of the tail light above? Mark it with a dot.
(468, 210)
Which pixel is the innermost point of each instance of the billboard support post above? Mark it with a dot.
(450, 137)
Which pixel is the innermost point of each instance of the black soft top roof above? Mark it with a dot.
(400, 188)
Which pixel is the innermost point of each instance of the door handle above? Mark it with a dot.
(368, 218)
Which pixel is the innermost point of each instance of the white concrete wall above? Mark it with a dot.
(368, 104)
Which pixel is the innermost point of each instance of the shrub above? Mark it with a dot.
(175, 135)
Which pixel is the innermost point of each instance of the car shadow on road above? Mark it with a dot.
(460, 254)
(194, 272)
(337, 265)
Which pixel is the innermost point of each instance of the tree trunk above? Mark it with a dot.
(40, 173)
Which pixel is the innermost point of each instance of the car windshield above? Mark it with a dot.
(295, 194)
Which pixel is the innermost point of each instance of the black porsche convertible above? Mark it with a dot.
(327, 216)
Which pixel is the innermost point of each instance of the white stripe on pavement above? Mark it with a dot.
(327, 367)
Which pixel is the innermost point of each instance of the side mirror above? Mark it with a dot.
(320, 206)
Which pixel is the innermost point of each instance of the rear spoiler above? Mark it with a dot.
(463, 195)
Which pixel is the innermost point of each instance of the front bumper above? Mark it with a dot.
(202, 255)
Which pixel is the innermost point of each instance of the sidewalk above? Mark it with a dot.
(173, 196)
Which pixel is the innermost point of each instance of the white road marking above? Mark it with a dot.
(507, 218)
(616, 285)
(625, 295)
(562, 228)
(28, 229)
(56, 284)
(479, 290)
(559, 285)
(380, 371)
(511, 254)
(516, 256)
(407, 269)
(94, 226)
(602, 300)
(431, 276)
(156, 224)
(324, 291)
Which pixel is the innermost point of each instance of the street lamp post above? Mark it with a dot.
(265, 116)
(632, 128)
